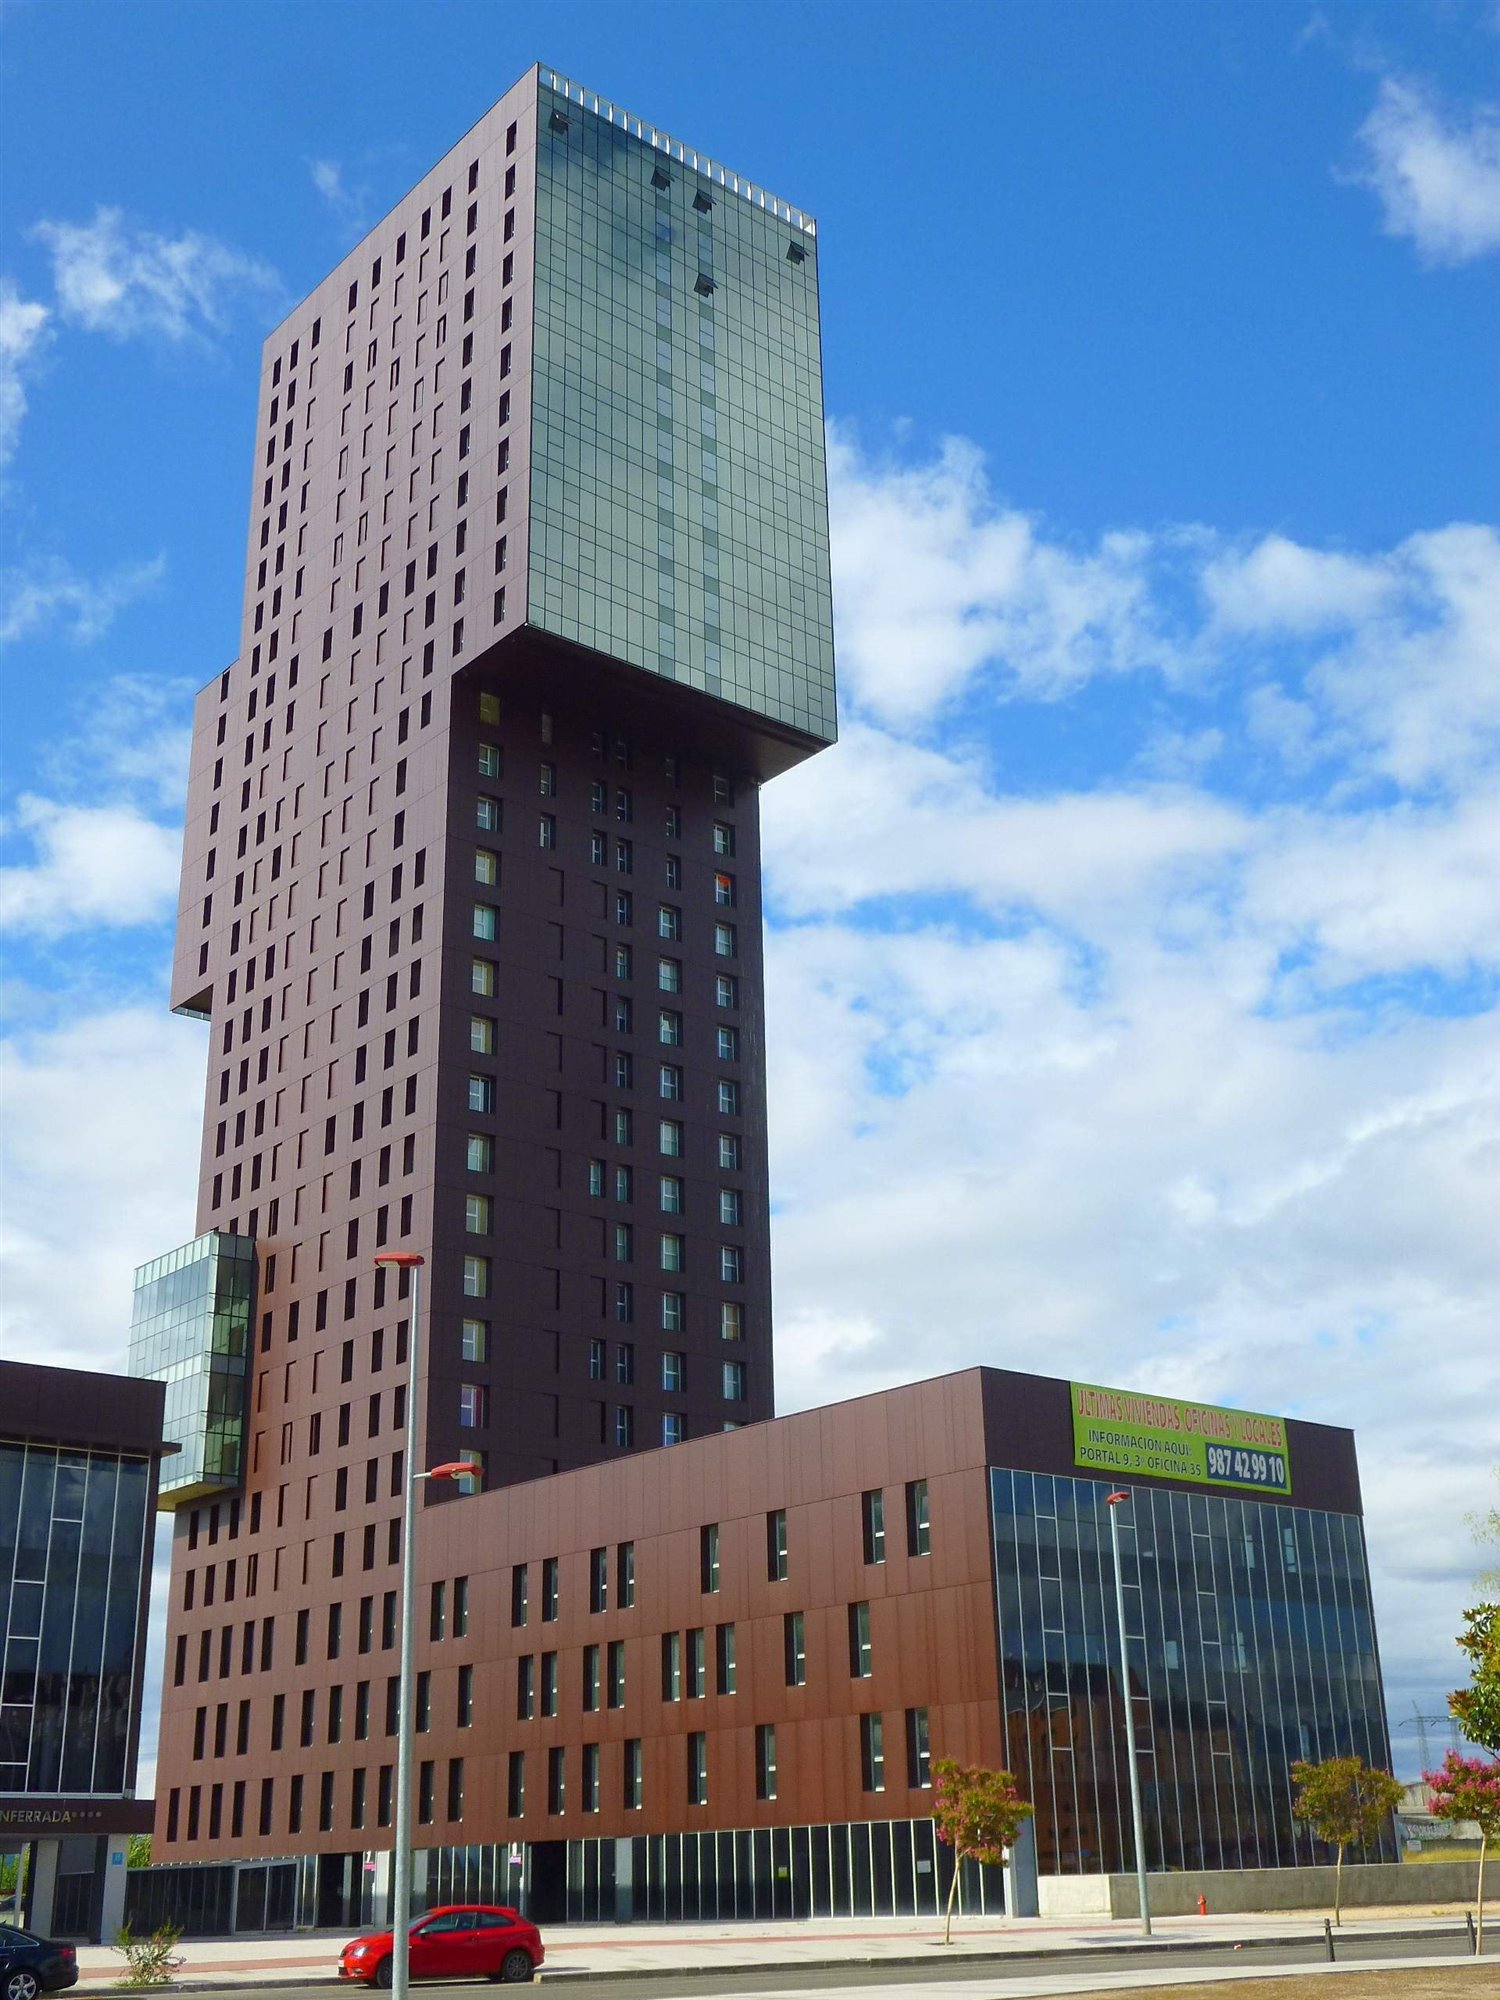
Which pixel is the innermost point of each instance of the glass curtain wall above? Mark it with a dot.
(678, 484)
(190, 1328)
(1252, 1644)
(73, 1528)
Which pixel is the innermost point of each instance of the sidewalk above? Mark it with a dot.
(311, 1957)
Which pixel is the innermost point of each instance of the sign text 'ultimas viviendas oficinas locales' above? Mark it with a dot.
(1117, 1431)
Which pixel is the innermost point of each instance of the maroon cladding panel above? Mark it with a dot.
(931, 1634)
(76, 1406)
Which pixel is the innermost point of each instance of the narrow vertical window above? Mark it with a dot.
(873, 1504)
(918, 1530)
(776, 1553)
(872, 1752)
(765, 1760)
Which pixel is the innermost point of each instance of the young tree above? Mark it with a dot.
(1476, 1708)
(977, 1813)
(1469, 1788)
(1343, 1800)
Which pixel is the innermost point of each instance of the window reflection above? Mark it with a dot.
(1252, 1645)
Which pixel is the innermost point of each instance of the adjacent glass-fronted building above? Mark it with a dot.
(190, 1329)
(78, 1459)
(74, 1531)
(1251, 1642)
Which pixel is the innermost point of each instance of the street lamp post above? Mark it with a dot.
(1113, 1501)
(408, 1260)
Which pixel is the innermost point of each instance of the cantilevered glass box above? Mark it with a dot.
(190, 1328)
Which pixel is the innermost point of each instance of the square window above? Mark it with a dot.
(734, 1381)
(670, 1138)
(669, 975)
(476, 1277)
(673, 1373)
(480, 1154)
(476, 1340)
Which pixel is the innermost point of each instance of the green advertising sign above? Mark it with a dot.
(1117, 1431)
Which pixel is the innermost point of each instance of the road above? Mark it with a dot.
(1015, 1975)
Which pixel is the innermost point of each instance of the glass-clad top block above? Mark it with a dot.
(679, 512)
(190, 1328)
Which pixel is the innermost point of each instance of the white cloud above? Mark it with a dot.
(941, 592)
(100, 1130)
(116, 278)
(1129, 1079)
(95, 865)
(49, 592)
(1278, 585)
(129, 736)
(934, 579)
(23, 328)
(1436, 171)
(348, 206)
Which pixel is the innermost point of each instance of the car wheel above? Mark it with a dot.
(515, 1966)
(385, 1972)
(21, 1985)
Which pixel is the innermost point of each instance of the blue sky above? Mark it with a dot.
(1158, 861)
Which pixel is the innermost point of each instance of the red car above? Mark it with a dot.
(457, 1941)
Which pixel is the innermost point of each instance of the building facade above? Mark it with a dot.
(536, 598)
(713, 1681)
(78, 1473)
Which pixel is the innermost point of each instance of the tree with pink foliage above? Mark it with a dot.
(1468, 1788)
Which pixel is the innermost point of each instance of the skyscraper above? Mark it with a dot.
(536, 596)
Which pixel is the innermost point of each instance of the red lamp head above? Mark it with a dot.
(408, 1260)
(457, 1468)
(1114, 1499)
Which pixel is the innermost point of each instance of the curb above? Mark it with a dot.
(982, 1961)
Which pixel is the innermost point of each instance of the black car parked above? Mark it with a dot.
(32, 1965)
